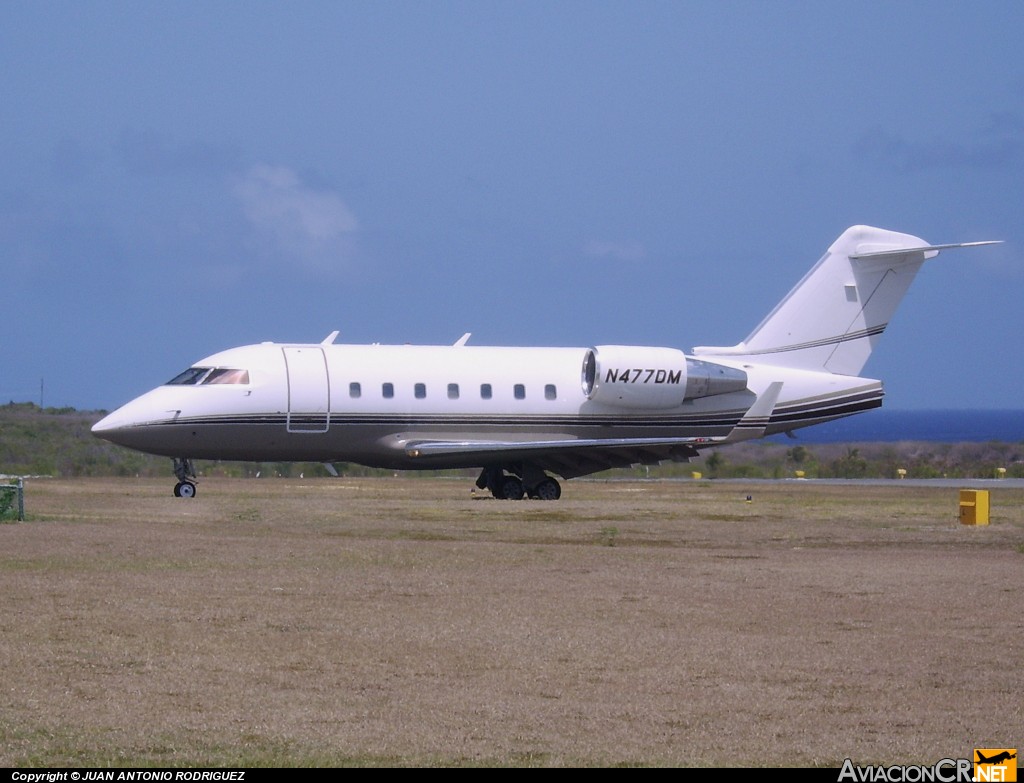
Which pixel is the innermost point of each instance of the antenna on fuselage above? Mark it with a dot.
(329, 339)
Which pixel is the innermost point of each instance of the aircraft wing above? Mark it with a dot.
(566, 458)
(571, 458)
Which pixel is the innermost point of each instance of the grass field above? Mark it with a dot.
(404, 622)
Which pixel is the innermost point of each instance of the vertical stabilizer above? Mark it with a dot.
(835, 315)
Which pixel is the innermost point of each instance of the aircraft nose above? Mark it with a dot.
(114, 425)
(127, 425)
(106, 424)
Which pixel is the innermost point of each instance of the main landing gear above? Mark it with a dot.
(519, 483)
(186, 473)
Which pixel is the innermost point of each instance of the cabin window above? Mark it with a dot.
(420, 390)
(355, 390)
(190, 377)
(388, 390)
(453, 391)
(224, 375)
(485, 391)
(519, 391)
(550, 392)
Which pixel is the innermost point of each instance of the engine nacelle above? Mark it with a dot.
(706, 379)
(638, 377)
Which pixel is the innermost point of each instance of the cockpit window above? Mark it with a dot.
(194, 376)
(190, 377)
(224, 375)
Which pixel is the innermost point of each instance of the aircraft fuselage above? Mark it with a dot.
(369, 403)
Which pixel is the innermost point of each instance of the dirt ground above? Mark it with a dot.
(406, 622)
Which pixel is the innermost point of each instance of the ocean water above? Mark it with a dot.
(946, 426)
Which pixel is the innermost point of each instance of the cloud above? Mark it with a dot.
(614, 251)
(313, 227)
(999, 144)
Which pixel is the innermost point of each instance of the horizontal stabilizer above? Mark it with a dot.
(930, 251)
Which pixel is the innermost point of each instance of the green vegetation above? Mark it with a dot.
(58, 442)
(608, 535)
(916, 459)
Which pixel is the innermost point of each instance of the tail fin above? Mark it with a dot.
(836, 314)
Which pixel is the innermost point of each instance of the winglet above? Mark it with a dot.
(755, 421)
(329, 339)
(463, 340)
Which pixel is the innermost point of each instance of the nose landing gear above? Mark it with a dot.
(186, 473)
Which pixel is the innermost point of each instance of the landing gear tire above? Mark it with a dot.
(184, 489)
(512, 488)
(548, 489)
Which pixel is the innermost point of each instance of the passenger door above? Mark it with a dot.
(309, 389)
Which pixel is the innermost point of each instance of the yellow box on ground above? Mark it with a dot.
(974, 507)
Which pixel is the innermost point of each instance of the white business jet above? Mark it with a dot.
(525, 416)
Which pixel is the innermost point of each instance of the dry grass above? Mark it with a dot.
(402, 622)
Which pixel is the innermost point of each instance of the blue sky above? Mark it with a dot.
(179, 178)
